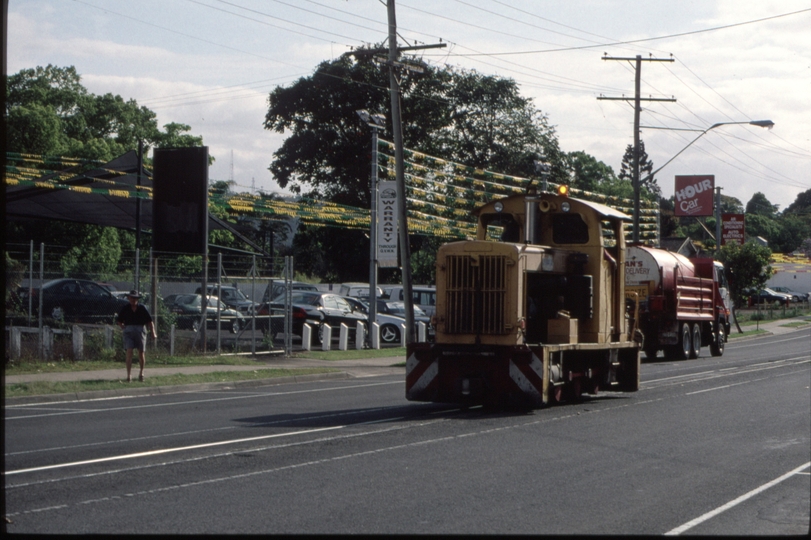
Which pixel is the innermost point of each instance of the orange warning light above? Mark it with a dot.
(563, 190)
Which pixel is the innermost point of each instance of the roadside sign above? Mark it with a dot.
(733, 228)
(694, 195)
(387, 225)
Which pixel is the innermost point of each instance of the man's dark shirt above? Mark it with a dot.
(138, 317)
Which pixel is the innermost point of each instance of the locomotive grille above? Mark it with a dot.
(476, 293)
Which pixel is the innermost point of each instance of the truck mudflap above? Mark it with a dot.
(518, 375)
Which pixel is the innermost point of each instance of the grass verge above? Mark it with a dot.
(795, 324)
(71, 387)
(353, 354)
(24, 367)
(746, 333)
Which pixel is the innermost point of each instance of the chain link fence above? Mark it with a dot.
(54, 299)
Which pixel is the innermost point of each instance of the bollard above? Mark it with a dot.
(306, 336)
(360, 335)
(16, 344)
(343, 337)
(326, 337)
(78, 342)
(47, 342)
(421, 328)
(172, 340)
(402, 335)
(375, 335)
(108, 336)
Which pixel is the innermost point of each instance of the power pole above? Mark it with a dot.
(637, 110)
(397, 132)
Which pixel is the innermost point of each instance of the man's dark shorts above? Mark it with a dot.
(135, 337)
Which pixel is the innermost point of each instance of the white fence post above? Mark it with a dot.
(306, 337)
(326, 337)
(360, 335)
(77, 336)
(343, 337)
(108, 336)
(421, 332)
(375, 335)
(16, 345)
(172, 340)
(402, 335)
(47, 342)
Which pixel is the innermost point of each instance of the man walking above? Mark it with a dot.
(134, 319)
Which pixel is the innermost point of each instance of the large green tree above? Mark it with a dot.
(49, 111)
(746, 267)
(462, 116)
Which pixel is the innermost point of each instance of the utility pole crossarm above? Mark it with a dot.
(634, 99)
(638, 99)
(639, 58)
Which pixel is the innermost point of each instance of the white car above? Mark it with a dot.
(424, 296)
(390, 325)
(358, 290)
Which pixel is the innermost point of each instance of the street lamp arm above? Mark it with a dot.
(768, 124)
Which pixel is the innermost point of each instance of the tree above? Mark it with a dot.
(96, 256)
(50, 112)
(648, 187)
(588, 173)
(760, 205)
(746, 267)
(462, 116)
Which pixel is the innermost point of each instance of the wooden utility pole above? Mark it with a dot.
(637, 110)
(397, 132)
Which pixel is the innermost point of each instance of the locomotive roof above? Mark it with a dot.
(602, 209)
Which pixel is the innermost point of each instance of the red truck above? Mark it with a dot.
(682, 302)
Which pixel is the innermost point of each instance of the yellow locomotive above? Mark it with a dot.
(533, 316)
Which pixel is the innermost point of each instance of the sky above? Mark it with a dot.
(212, 63)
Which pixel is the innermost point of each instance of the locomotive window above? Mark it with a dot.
(511, 229)
(569, 229)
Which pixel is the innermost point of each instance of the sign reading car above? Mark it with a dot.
(387, 225)
(694, 195)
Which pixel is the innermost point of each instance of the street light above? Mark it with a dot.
(768, 124)
(374, 121)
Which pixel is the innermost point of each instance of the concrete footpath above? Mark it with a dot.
(366, 367)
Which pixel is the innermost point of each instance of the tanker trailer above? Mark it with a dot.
(682, 302)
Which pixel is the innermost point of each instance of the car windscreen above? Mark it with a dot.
(299, 298)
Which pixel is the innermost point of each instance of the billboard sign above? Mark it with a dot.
(387, 224)
(733, 229)
(694, 195)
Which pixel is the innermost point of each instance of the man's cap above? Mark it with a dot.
(133, 294)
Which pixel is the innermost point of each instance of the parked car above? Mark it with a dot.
(358, 290)
(276, 288)
(389, 324)
(316, 308)
(768, 296)
(188, 309)
(795, 296)
(76, 300)
(423, 296)
(398, 309)
(231, 297)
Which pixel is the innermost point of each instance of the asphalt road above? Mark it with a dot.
(708, 446)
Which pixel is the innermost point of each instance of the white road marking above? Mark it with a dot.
(169, 450)
(690, 524)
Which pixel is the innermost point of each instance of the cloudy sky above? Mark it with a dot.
(211, 64)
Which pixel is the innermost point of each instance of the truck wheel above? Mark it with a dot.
(695, 349)
(684, 347)
(717, 345)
